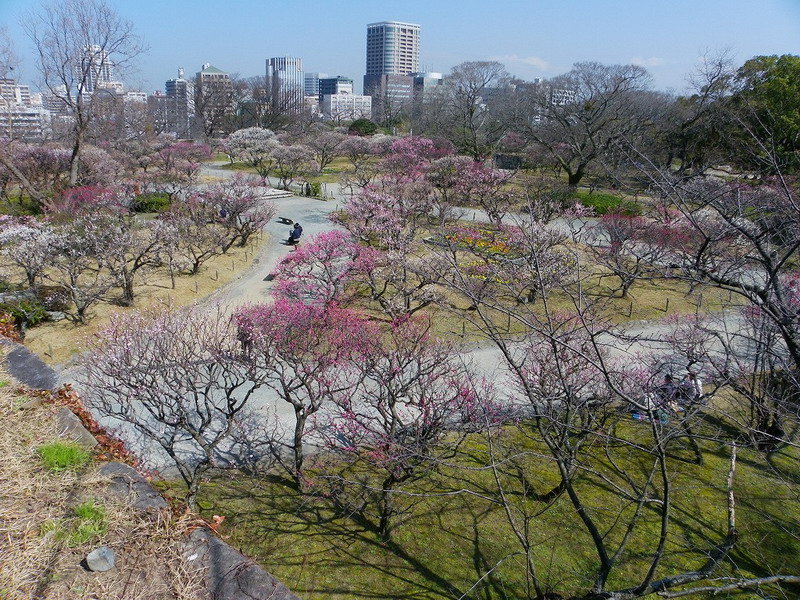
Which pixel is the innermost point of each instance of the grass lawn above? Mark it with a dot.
(443, 545)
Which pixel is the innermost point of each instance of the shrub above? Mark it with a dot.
(60, 456)
(609, 203)
(316, 189)
(53, 297)
(25, 312)
(362, 127)
(151, 202)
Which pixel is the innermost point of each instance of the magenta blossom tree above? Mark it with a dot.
(326, 270)
(306, 354)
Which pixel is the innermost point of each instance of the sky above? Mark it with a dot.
(532, 38)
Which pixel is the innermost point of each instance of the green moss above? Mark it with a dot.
(444, 542)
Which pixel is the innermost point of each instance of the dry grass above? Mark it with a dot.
(57, 342)
(36, 504)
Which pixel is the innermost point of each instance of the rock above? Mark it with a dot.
(29, 369)
(101, 559)
(229, 574)
(129, 484)
(71, 427)
(31, 404)
(55, 315)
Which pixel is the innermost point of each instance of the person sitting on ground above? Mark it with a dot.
(294, 234)
(691, 388)
(667, 394)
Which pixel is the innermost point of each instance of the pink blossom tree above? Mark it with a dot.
(414, 397)
(305, 353)
(78, 265)
(199, 234)
(28, 243)
(242, 207)
(292, 163)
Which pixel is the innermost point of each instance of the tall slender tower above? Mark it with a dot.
(392, 56)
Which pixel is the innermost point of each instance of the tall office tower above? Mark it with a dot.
(213, 102)
(392, 56)
(286, 84)
(392, 48)
(96, 69)
(177, 105)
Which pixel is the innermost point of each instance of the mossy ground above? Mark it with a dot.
(444, 544)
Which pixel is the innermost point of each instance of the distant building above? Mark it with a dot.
(311, 83)
(19, 119)
(157, 112)
(346, 107)
(392, 56)
(213, 102)
(335, 85)
(177, 105)
(286, 84)
(96, 70)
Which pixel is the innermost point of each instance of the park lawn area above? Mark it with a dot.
(443, 545)
(57, 342)
(333, 172)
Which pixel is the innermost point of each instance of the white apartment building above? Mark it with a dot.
(346, 107)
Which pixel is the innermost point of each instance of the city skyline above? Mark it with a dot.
(531, 38)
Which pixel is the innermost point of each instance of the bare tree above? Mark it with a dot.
(78, 43)
(177, 380)
(476, 95)
(579, 116)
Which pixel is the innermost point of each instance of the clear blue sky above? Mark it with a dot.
(533, 38)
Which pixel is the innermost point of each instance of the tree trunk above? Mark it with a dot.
(127, 288)
(297, 442)
(75, 160)
(386, 508)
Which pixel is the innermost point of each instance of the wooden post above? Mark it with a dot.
(195, 286)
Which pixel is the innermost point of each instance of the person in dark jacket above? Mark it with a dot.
(294, 234)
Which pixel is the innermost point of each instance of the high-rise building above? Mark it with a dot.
(286, 83)
(311, 83)
(392, 56)
(177, 105)
(392, 48)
